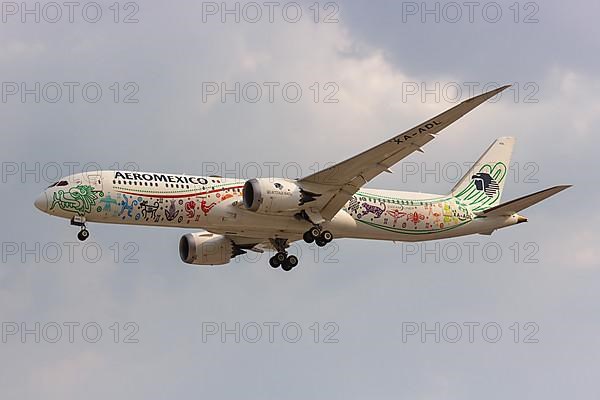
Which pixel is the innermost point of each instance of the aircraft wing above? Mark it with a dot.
(339, 182)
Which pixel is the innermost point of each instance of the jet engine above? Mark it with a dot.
(205, 248)
(273, 196)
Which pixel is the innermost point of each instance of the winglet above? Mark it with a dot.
(487, 95)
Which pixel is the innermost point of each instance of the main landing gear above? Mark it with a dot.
(288, 262)
(314, 234)
(83, 232)
(281, 258)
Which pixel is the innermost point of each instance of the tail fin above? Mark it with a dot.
(481, 188)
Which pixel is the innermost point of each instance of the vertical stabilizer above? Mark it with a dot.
(481, 188)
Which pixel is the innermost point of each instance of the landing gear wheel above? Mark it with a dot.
(280, 257)
(292, 261)
(327, 236)
(308, 237)
(315, 232)
(320, 241)
(289, 263)
(83, 234)
(273, 262)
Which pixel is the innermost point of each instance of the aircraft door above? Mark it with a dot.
(94, 180)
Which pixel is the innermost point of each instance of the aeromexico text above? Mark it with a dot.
(140, 176)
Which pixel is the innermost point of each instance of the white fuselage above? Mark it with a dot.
(215, 204)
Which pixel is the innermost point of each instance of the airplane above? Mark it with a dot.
(261, 214)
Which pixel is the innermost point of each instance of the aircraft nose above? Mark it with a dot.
(41, 202)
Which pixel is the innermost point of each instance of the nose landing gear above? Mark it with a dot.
(80, 221)
(83, 234)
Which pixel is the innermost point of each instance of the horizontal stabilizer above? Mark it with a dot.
(516, 205)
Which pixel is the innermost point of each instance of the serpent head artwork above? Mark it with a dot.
(79, 199)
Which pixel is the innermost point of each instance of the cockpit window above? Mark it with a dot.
(54, 184)
(62, 183)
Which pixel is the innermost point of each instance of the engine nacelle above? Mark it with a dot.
(205, 248)
(272, 196)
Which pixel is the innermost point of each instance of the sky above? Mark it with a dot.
(284, 88)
